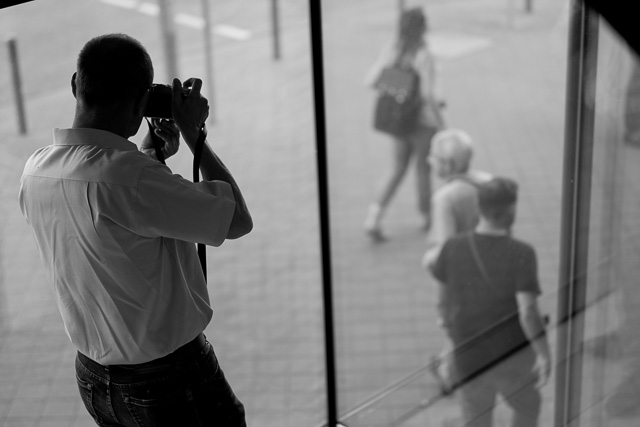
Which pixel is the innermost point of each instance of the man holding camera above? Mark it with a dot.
(116, 231)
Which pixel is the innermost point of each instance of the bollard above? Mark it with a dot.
(17, 85)
(276, 29)
(528, 6)
(208, 57)
(168, 38)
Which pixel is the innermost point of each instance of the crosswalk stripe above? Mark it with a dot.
(150, 9)
(185, 19)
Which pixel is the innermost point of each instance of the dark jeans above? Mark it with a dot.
(185, 388)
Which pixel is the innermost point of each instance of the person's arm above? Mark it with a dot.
(383, 59)
(213, 169)
(439, 271)
(190, 114)
(424, 64)
(442, 228)
(533, 326)
(442, 303)
(436, 85)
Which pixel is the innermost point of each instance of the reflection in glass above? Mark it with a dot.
(611, 373)
(501, 73)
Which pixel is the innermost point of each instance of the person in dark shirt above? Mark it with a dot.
(487, 297)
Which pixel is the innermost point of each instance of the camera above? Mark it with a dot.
(159, 102)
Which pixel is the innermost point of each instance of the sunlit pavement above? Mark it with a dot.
(503, 77)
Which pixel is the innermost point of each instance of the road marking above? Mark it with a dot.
(191, 21)
(456, 45)
(125, 4)
(150, 9)
(232, 32)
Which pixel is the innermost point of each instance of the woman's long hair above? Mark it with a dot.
(411, 29)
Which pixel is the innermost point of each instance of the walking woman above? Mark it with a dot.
(409, 49)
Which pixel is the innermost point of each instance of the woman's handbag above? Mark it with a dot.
(398, 105)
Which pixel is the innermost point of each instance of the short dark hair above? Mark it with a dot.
(411, 26)
(496, 197)
(112, 68)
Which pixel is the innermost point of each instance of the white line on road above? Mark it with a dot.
(184, 19)
(126, 4)
(232, 32)
(190, 21)
(150, 9)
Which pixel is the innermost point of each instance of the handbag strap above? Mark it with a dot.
(478, 260)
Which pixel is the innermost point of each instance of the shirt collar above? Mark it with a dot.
(88, 136)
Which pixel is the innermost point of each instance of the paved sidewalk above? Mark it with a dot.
(503, 81)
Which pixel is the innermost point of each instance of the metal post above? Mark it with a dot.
(576, 202)
(208, 56)
(401, 5)
(17, 85)
(168, 38)
(528, 6)
(275, 24)
(323, 199)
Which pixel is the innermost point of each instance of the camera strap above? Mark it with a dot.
(197, 155)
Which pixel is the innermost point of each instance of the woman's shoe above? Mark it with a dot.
(372, 224)
(376, 235)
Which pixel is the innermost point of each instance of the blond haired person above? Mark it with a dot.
(454, 210)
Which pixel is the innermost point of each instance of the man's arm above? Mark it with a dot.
(442, 303)
(534, 330)
(213, 169)
(442, 228)
(190, 114)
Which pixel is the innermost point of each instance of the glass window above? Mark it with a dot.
(501, 72)
(610, 358)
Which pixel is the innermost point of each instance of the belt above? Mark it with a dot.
(129, 372)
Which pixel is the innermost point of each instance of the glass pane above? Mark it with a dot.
(611, 371)
(265, 288)
(501, 71)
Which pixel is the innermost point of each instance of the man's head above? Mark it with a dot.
(497, 201)
(451, 152)
(113, 73)
(412, 26)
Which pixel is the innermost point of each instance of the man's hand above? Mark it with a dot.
(191, 111)
(168, 132)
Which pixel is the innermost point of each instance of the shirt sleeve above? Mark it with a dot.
(168, 205)
(527, 271)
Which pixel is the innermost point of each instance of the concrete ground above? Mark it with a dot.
(502, 73)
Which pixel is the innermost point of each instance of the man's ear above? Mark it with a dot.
(141, 103)
(73, 85)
